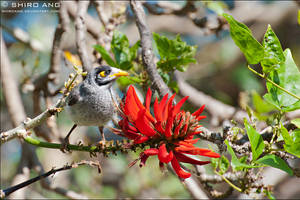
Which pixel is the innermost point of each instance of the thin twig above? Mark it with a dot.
(6, 192)
(273, 83)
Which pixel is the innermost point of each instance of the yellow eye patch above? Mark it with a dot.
(102, 74)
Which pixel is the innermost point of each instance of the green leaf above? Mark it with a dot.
(235, 163)
(276, 162)
(242, 36)
(270, 195)
(292, 141)
(256, 141)
(174, 54)
(224, 164)
(214, 163)
(128, 80)
(298, 17)
(260, 105)
(124, 55)
(133, 50)
(105, 55)
(288, 77)
(296, 122)
(274, 56)
(286, 136)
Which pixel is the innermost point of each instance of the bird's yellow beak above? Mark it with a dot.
(119, 73)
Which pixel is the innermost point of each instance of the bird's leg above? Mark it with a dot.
(65, 142)
(103, 140)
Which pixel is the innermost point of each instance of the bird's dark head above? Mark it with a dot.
(105, 75)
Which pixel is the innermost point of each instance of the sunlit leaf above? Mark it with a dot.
(224, 164)
(174, 54)
(235, 163)
(105, 55)
(276, 162)
(274, 56)
(292, 141)
(260, 105)
(242, 36)
(256, 141)
(288, 77)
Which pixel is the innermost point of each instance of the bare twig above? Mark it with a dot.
(6, 192)
(147, 50)
(93, 26)
(80, 35)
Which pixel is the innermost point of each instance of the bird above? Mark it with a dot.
(91, 103)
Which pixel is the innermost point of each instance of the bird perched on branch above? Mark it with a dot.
(91, 103)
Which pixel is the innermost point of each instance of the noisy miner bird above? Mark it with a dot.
(91, 103)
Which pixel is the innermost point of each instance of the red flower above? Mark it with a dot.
(170, 132)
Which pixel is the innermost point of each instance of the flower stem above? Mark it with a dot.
(227, 181)
(273, 83)
(39, 143)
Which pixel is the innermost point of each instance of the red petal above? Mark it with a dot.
(151, 152)
(159, 128)
(179, 105)
(163, 155)
(168, 132)
(167, 108)
(162, 103)
(183, 158)
(131, 107)
(192, 141)
(199, 111)
(148, 99)
(211, 154)
(144, 125)
(141, 139)
(201, 117)
(197, 151)
(179, 171)
(191, 150)
(157, 111)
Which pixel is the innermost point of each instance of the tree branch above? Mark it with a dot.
(147, 50)
(81, 35)
(217, 109)
(6, 192)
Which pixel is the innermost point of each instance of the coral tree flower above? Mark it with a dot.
(169, 132)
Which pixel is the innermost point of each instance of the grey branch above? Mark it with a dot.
(10, 88)
(81, 35)
(216, 108)
(92, 25)
(147, 50)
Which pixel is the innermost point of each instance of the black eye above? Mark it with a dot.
(107, 72)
